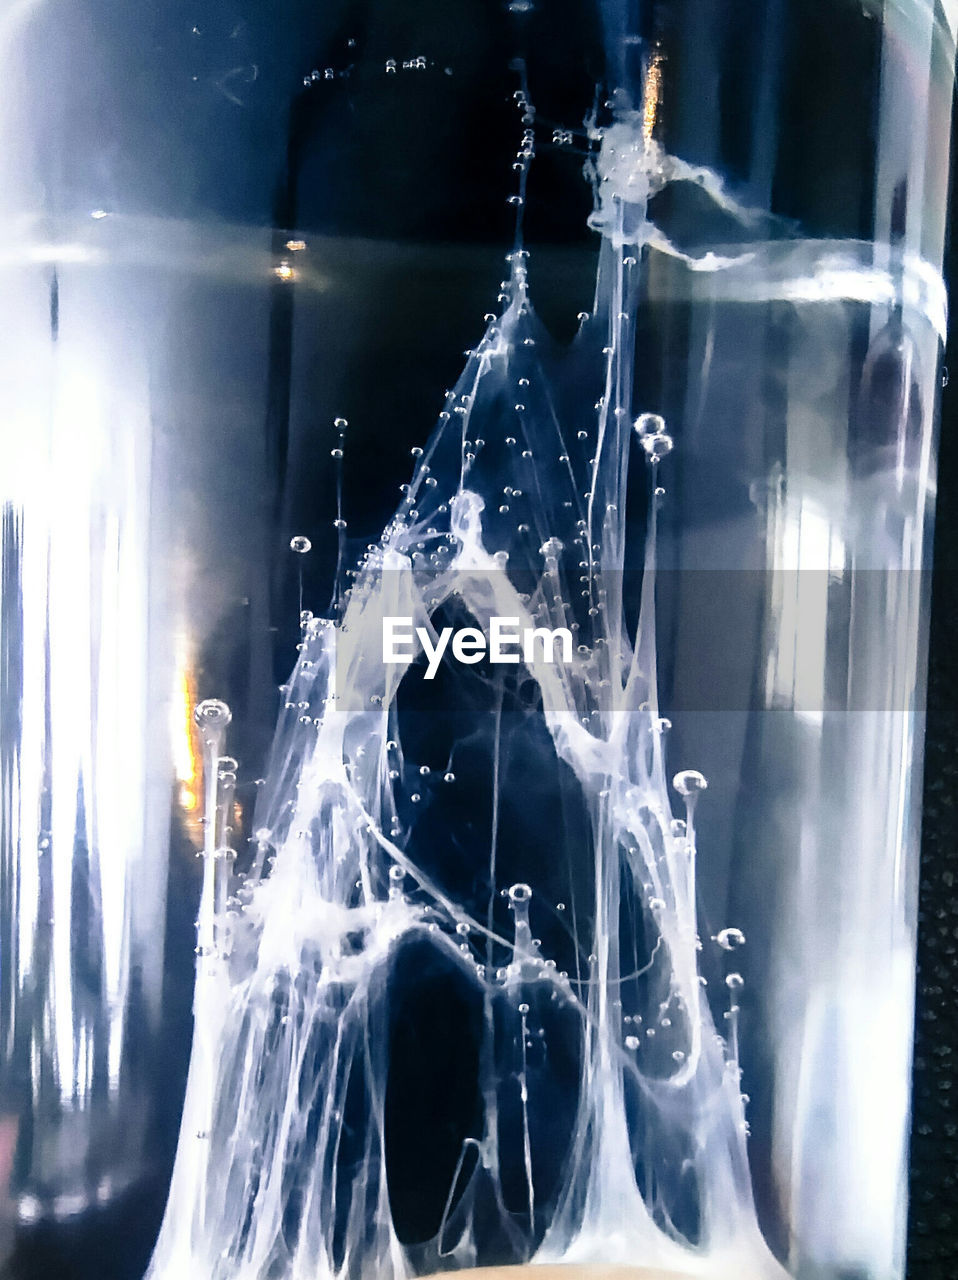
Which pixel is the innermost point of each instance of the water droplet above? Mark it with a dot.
(689, 782)
(730, 939)
(300, 544)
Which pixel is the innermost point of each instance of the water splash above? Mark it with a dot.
(518, 509)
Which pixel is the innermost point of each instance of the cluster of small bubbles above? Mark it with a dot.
(300, 544)
(562, 137)
(730, 939)
(688, 782)
(415, 64)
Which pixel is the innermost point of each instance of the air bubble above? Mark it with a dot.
(300, 544)
(649, 424)
(730, 939)
(689, 782)
(211, 713)
(520, 893)
(657, 446)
